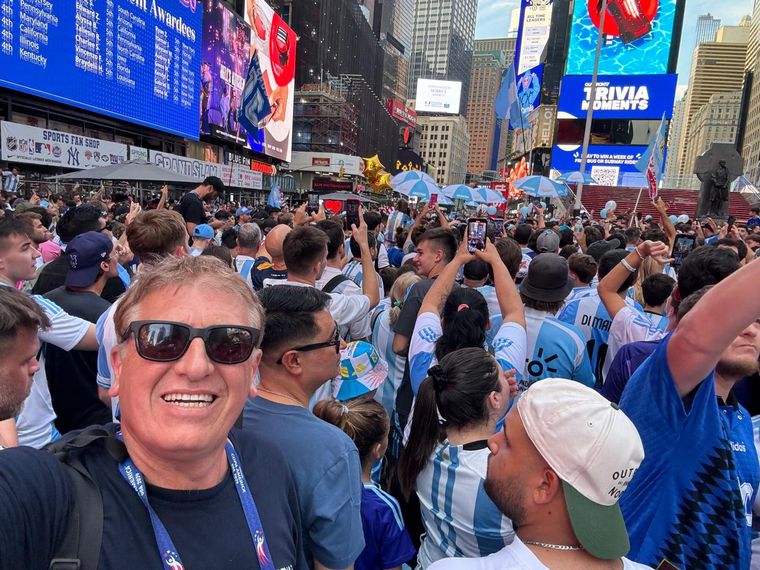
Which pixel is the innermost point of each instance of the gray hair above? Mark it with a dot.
(249, 236)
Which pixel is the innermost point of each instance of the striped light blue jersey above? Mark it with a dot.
(105, 332)
(509, 347)
(555, 350)
(659, 321)
(353, 270)
(494, 312)
(580, 293)
(396, 220)
(591, 318)
(382, 340)
(460, 519)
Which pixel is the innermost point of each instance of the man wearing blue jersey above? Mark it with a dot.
(591, 317)
(555, 349)
(582, 269)
(656, 290)
(691, 501)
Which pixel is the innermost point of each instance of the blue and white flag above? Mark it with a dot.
(651, 162)
(507, 103)
(275, 197)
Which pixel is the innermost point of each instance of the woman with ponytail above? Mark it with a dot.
(449, 320)
(457, 409)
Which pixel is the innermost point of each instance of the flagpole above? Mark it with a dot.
(636, 207)
(592, 100)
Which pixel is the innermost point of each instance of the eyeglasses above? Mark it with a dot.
(166, 341)
(335, 341)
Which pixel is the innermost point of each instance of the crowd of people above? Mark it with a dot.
(203, 384)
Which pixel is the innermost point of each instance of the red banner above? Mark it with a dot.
(400, 112)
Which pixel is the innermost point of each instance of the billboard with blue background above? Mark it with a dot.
(638, 37)
(136, 60)
(532, 38)
(619, 97)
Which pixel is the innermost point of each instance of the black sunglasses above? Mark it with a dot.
(334, 341)
(166, 341)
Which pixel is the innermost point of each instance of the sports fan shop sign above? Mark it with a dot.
(232, 175)
(22, 143)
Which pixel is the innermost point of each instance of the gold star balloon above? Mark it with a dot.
(372, 167)
(383, 182)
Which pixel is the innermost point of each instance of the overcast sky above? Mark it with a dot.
(494, 17)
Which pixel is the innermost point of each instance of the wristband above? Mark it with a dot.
(628, 266)
(636, 249)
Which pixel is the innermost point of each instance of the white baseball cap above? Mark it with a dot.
(594, 449)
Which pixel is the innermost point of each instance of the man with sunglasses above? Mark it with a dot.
(301, 351)
(180, 487)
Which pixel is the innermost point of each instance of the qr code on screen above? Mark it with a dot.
(605, 175)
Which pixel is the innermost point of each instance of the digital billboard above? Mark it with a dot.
(618, 97)
(270, 80)
(135, 60)
(609, 165)
(638, 37)
(224, 65)
(532, 38)
(437, 96)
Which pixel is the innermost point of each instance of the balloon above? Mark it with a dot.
(683, 219)
(525, 211)
(611, 205)
(673, 218)
(491, 210)
(542, 204)
(382, 182)
(603, 213)
(372, 167)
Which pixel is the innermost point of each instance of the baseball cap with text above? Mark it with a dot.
(594, 449)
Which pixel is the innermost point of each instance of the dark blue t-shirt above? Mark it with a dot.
(691, 500)
(626, 362)
(386, 541)
(207, 527)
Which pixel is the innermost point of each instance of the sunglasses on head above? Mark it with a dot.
(334, 341)
(166, 341)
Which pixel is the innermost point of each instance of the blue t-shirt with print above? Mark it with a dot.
(691, 500)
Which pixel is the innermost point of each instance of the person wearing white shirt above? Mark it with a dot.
(248, 242)
(305, 253)
(557, 469)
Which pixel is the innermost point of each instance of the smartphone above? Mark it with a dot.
(476, 234)
(433, 200)
(683, 246)
(731, 221)
(352, 212)
(498, 226)
(313, 203)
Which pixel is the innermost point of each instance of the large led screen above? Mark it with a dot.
(136, 60)
(638, 36)
(437, 96)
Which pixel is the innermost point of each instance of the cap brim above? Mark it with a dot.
(600, 529)
(82, 277)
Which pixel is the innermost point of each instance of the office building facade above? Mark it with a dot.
(444, 143)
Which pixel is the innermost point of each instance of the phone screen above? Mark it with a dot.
(313, 204)
(476, 234)
(683, 246)
(731, 221)
(352, 212)
(498, 226)
(433, 200)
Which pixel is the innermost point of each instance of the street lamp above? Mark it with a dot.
(590, 112)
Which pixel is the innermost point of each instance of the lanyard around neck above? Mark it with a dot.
(166, 549)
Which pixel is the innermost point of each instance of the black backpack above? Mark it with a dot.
(80, 548)
(333, 283)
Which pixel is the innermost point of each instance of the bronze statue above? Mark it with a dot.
(717, 168)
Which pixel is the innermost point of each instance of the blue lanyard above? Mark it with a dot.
(166, 548)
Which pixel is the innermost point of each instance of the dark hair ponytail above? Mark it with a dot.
(457, 389)
(364, 420)
(465, 318)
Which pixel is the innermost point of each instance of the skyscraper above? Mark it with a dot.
(717, 67)
(487, 68)
(751, 150)
(396, 20)
(443, 43)
(674, 140)
(444, 143)
(707, 29)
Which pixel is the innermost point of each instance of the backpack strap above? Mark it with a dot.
(333, 283)
(80, 548)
